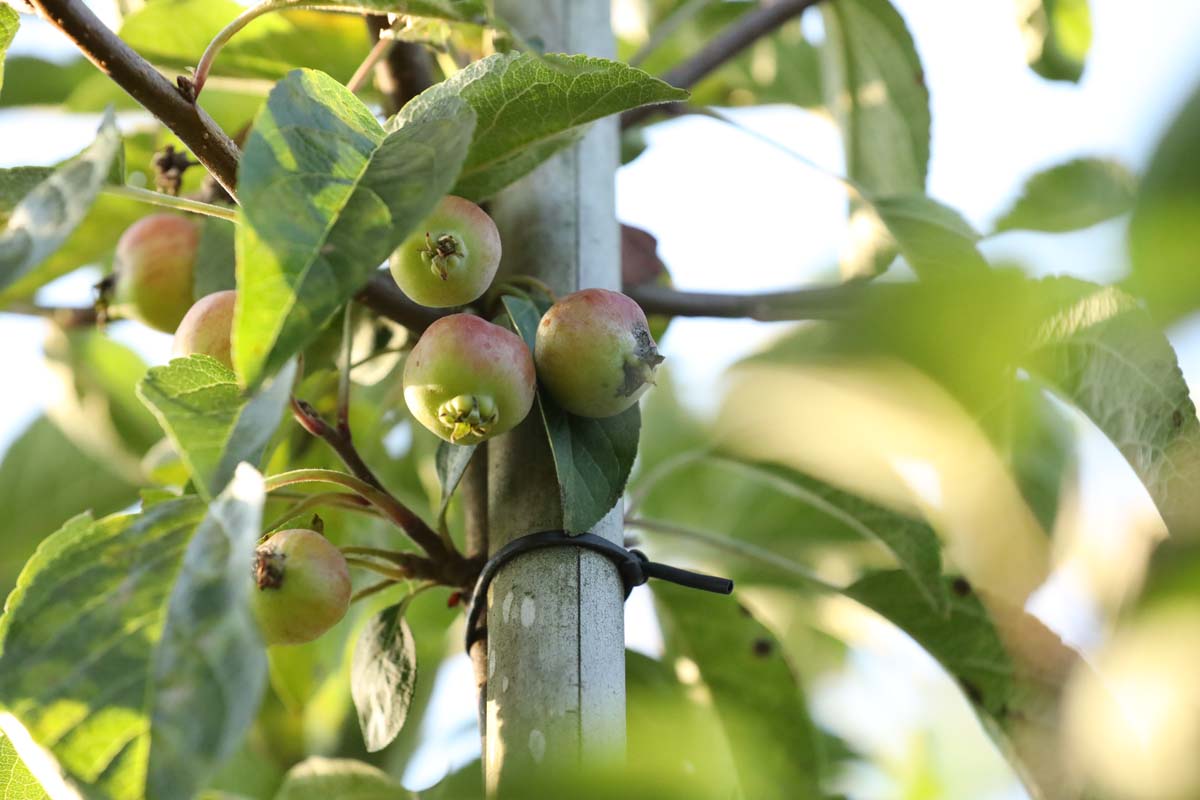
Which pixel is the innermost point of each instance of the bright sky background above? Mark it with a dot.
(704, 189)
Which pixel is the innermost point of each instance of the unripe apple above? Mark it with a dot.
(594, 353)
(303, 586)
(207, 328)
(154, 267)
(468, 380)
(452, 256)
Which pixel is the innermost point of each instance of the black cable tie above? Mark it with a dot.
(632, 565)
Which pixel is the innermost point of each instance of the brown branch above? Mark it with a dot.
(65, 317)
(405, 73)
(749, 28)
(383, 296)
(215, 150)
(829, 302)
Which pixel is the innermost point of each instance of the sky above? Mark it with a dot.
(703, 188)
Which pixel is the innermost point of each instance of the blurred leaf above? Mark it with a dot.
(128, 648)
(1058, 35)
(9, 22)
(231, 102)
(1105, 355)
(384, 676)
(15, 183)
(933, 237)
(1164, 239)
(911, 541)
(592, 457)
(35, 81)
(214, 268)
(48, 214)
(174, 33)
(1038, 440)
(455, 10)
(319, 778)
(212, 424)
(875, 87)
(452, 461)
(16, 781)
(753, 689)
(326, 195)
(530, 107)
(1010, 667)
(1070, 196)
(465, 783)
(44, 477)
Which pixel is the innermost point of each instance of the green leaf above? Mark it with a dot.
(753, 690)
(17, 182)
(48, 214)
(319, 778)
(210, 656)
(326, 195)
(16, 781)
(529, 107)
(1102, 352)
(1164, 238)
(128, 650)
(454, 10)
(383, 676)
(44, 463)
(1010, 667)
(35, 81)
(592, 457)
(1057, 36)
(1070, 196)
(9, 22)
(933, 237)
(175, 33)
(911, 541)
(451, 461)
(875, 86)
(212, 423)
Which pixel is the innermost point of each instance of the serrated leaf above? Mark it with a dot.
(529, 107)
(210, 655)
(911, 541)
(383, 676)
(1057, 35)
(933, 237)
(1011, 667)
(326, 195)
(451, 461)
(16, 781)
(592, 457)
(127, 649)
(175, 34)
(212, 423)
(319, 778)
(1104, 354)
(874, 84)
(47, 215)
(753, 690)
(1070, 196)
(1163, 235)
(9, 22)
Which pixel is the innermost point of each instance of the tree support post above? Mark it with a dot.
(555, 683)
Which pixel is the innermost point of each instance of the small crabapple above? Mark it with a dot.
(594, 353)
(303, 586)
(468, 380)
(207, 328)
(153, 269)
(452, 256)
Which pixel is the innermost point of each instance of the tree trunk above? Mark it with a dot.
(555, 688)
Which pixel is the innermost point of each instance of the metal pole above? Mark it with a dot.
(555, 688)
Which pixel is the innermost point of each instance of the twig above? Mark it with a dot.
(64, 317)
(341, 499)
(733, 40)
(381, 49)
(830, 302)
(223, 36)
(215, 150)
(382, 296)
(171, 201)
